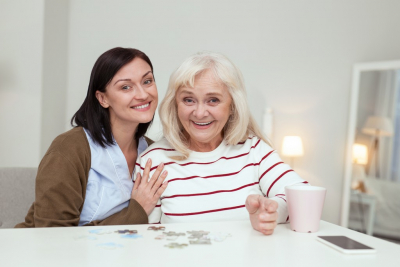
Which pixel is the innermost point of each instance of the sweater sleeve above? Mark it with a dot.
(61, 187)
(274, 175)
(61, 180)
(59, 192)
(133, 214)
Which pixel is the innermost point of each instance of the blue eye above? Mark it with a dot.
(188, 101)
(126, 87)
(214, 100)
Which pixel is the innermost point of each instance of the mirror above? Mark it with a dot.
(371, 193)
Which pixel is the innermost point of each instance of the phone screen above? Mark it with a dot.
(344, 242)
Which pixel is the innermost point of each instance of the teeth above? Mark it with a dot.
(142, 106)
(202, 124)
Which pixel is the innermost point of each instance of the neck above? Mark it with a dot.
(124, 135)
(204, 147)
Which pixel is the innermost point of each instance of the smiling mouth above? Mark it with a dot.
(202, 123)
(141, 106)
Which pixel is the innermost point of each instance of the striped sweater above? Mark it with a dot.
(213, 186)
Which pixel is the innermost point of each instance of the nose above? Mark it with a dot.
(140, 93)
(200, 111)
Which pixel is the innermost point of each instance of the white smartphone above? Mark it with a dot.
(345, 244)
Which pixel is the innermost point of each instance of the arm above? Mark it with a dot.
(60, 199)
(133, 214)
(274, 175)
(59, 189)
(145, 194)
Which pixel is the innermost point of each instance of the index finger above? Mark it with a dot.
(270, 205)
(146, 172)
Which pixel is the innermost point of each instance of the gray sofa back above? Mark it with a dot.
(17, 193)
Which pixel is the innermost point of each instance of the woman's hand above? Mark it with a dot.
(147, 192)
(262, 213)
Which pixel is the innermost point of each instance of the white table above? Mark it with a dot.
(368, 201)
(72, 247)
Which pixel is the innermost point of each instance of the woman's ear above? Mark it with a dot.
(101, 97)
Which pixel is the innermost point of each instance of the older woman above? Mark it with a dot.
(220, 166)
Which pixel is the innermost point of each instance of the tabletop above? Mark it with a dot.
(234, 244)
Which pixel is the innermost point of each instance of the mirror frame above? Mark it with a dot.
(353, 109)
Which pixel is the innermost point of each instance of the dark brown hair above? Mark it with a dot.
(91, 115)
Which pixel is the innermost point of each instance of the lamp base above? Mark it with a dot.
(359, 186)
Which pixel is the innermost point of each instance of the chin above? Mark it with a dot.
(202, 139)
(144, 119)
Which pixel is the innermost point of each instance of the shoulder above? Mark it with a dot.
(254, 143)
(160, 147)
(71, 144)
(75, 137)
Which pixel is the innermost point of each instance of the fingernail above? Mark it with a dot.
(148, 160)
(165, 172)
(161, 164)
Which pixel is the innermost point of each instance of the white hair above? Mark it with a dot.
(240, 124)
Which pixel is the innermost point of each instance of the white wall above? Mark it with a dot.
(21, 55)
(54, 78)
(296, 56)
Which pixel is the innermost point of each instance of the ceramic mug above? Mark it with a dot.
(305, 204)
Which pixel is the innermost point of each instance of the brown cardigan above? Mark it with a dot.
(61, 187)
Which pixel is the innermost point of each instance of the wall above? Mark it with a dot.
(296, 57)
(55, 60)
(21, 56)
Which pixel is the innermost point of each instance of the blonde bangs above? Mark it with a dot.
(240, 124)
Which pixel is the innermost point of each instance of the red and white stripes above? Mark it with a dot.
(213, 186)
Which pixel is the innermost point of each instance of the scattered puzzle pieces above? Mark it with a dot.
(200, 242)
(171, 233)
(156, 228)
(176, 245)
(131, 236)
(219, 237)
(126, 231)
(99, 231)
(197, 234)
(195, 237)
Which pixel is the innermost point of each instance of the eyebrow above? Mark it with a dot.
(208, 94)
(185, 92)
(121, 80)
(214, 93)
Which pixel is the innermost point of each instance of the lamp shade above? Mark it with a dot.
(292, 146)
(360, 154)
(378, 126)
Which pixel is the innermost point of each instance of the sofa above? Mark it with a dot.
(17, 193)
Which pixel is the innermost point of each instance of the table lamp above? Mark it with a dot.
(292, 146)
(377, 126)
(360, 158)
